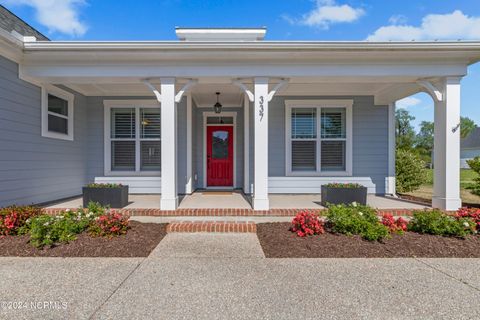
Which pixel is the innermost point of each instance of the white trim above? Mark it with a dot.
(55, 91)
(246, 144)
(313, 184)
(319, 104)
(204, 129)
(189, 184)
(136, 185)
(390, 182)
(137, 104)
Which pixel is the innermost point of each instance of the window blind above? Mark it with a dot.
(123, 123)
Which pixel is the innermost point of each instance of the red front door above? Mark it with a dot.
(220, 156)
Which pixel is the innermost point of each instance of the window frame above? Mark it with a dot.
(62, 94)
(347, 104)
(127, 104)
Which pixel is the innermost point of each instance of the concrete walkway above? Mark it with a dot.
(201, 277)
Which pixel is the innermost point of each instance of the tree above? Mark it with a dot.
(424, 138)
(410, 171)
(466, 126)
(404, 130)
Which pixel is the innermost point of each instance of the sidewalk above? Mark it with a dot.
(235, 281)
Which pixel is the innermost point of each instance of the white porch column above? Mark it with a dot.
(246, 143)
(260, 189)
(446, 183)
(390, 182)
(169, 198)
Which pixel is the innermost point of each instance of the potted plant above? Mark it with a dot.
(114, 195)
(343, 193)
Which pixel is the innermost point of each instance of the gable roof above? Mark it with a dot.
(472, 141)
(10, 22)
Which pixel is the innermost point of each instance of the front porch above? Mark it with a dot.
(238, 200)
(294, 117)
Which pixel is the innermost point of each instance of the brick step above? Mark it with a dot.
(212, 226)
(225, 212)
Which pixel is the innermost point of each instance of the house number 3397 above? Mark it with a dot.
(260, 111)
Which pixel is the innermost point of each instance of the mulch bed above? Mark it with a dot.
(139, 241)
(278, 242)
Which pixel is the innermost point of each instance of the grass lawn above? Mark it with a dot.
(466, 178)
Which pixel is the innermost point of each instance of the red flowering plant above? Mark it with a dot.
(14, 217)
(307, 223)
(109, 224)
(398, 225)
(472, 213)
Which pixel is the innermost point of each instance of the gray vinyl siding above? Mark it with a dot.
(198, 154)
(33, 168)
(370, 138)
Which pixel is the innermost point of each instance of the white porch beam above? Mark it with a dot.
(90, 72)
(169, 198)
(446, 182)
(260, 188)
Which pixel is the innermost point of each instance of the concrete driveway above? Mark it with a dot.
(229, 284)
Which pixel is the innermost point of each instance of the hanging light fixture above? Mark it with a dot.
(218, 106)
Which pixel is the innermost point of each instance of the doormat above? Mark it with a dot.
(216, 193)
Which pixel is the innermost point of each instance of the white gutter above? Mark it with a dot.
(255, 45)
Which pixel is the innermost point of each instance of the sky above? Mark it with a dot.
(370, 20)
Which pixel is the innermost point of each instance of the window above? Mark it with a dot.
(133, 142)
(318, 137)
(57, 113)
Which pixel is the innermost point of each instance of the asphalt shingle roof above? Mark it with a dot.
(9, 22)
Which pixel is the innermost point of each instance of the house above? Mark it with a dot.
(469, 148)
(289, 116)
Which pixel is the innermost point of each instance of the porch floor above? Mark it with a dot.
(237, 200)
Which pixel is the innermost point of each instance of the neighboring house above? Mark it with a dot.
(469, 148)
(295, 114)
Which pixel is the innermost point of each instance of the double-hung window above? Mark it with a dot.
(57, 113)
(318, 137)
(132, 138)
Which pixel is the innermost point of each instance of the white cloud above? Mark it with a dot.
(408, 102)
(451, 26)
(398, 19)
(327, 12)
(57, 15)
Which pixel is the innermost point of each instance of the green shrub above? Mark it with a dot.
(438, 223)
(356, 219)
(410, 170)
(47, 230)
(475, 166)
